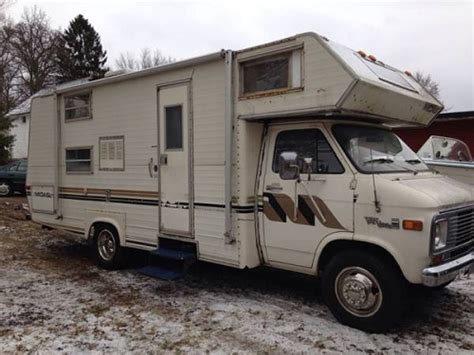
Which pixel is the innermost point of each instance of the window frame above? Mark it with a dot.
(343, 171)
(262, 58)
(89, 106)
(165, 127)
(91, 170)
(109, 138)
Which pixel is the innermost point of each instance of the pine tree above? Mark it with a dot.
(80, 52)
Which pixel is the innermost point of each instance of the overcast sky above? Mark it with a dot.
(435, 37)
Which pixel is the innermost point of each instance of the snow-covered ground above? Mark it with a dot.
(53, 299)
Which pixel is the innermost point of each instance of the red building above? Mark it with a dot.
(458, 125)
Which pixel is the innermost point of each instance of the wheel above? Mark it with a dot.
(364, 290)
(6, 189)
(108, 252)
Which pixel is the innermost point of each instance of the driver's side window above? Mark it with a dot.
(307, 143)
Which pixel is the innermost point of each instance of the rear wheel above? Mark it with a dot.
(6, 189)
(108, 252)
(363, 290)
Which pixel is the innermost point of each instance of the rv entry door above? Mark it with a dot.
(173, 162)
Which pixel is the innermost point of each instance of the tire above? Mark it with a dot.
(364, 290)
(6, 189)
(107, 250)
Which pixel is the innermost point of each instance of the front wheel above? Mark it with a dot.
(107, 249)
(364, 290)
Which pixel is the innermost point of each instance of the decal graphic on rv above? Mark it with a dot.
(279, 207)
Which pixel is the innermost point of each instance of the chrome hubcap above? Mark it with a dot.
(4, 189)
(106, 245)
(358, 291)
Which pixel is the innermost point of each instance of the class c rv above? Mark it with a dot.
(279, 155)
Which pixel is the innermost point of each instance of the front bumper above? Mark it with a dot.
(440, 274)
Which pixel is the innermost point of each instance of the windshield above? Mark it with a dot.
(376, 150)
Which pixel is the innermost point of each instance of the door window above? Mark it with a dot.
(174, 127)
(307, 143)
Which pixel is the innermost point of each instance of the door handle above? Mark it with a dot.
(320, 179)
(273, 188)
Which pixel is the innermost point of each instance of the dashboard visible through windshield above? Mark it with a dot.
(376, 150)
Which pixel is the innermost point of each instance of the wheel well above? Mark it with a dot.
(90, 235)
(338, 245)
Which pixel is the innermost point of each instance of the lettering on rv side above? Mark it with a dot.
(393, 224)
(43, 194)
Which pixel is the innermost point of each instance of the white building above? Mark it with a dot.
(20, 117)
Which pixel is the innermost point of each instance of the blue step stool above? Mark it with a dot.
(174, 254)
(160, 272)
(174, 263)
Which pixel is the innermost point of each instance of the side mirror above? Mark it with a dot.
(288, 167)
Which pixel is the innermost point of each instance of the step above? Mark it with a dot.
(174, 254)
(160, 272)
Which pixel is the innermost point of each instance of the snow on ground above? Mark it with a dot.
(53, 299)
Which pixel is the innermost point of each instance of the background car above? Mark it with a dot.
(13, 177)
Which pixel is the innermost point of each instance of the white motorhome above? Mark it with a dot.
(278, 155)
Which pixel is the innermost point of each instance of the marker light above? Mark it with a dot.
(412, 225)
(408, 73)
(362, 54)
(372, 58)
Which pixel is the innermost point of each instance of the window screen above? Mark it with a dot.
(174, 127)
(77, 106)
(79, 160)
(267, 74)
(307, 144)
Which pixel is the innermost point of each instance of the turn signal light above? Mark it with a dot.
(412, 225)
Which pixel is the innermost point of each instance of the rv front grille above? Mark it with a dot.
(460, 239)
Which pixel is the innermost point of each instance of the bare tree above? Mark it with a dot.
(8, 88)
(4, 4)
(146, 59)
(34, 46)
(428, 83)
(126, 61)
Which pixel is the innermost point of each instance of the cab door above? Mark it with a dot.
(298, 215)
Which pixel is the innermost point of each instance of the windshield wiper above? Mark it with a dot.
(389, 160)
(379, 160)
(413, 161)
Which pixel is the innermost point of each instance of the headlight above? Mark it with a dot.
(440, 234)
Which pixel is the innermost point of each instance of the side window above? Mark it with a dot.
(174, 127)
(278, 72)
(22, 166)
(77, 107)
(13, 167)
(79, 160)
(309, 143)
